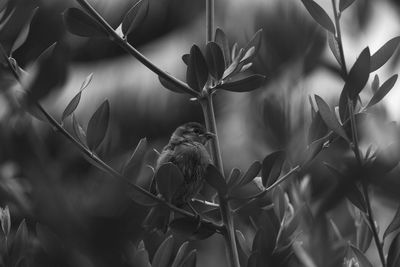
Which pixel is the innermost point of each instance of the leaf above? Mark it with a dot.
(383, 90)
(364, 235)
(334, 46)
(169, 179)
(345, 4)
(134, 164)
(163, 254)
(358, 75)
(319, 15)
(280, 203)
(271, 167)
(135, 17)
(375, 84)
(170, 85)
(394, 224)
(24, 32)
(380, 57)
(247, 84)
(356, 197)
(329, 118)
(180, 254)
(222, 41)
(72, 105)
(251, 173)
(141, 258)
(243, 243)
(234, 177)
(5, 220)
(78, 131)
(252, 48)
(215, 179)
(20, 243)
(80, 23)
(197, 70)
(393, 258)
(98, 125)
(215, 60)
(190, 260)
(86, 82)
(362, 259)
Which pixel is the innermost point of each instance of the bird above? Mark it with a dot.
(187, 150)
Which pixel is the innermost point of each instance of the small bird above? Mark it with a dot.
(186, 149)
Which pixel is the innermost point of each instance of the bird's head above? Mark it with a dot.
(192, 131)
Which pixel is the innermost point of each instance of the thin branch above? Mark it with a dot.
(113, 35)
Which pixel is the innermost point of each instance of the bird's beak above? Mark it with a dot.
(209, 135)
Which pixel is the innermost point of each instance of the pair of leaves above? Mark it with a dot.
(169, 179)
(383, 90)
(135, 17)
(82, 24)
(272, 167)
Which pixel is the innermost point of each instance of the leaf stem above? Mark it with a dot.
(113, 35)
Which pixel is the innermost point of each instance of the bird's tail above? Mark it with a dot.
(158, 218)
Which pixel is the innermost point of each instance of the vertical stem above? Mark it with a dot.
(339, 39)
(209, 20)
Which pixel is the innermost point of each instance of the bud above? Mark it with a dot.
(5, 220)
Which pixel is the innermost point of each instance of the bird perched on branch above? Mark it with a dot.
(186, 149)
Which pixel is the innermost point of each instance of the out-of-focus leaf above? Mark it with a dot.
(215, 60)
(80, 23)
(135, 17)
(243, 243)
(329, 118)
(197, 70)
(49, 241)
(78, 131)
(363, 235)
(180, 254)
(345, 4)
(251, 173)
(386, 159)
(20, 243)
(98, 125)
(271, 167)
(215, 179)
(358, 75)
(5, 220)
(222, 41)
(46, 53)
(134, 164)
(141, 258)
(375, 84)
(362, 259)
(168, 178)
(190, 260)
(356, 197)
(191, 228)
(394, 224)
(319, 15)
(247, 84)
(318, 128)
(170, 86)
(334, 47)
(383, 90)
(163, 254)
(380, 57)
(24, 32)
(393, 258)
(280, 204)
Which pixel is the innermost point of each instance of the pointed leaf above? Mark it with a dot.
(197, 70)
(170, 86)
(134, 164)
(169, 179)
(234, 178)
(356, 197)
(78, 131)
(86, 82)
(393, 258)
(135, 17)
(375, 84)
(334, 47)
(163, 254)
(80, 23)
(24, 32)
(98, 125)
(380, 57)
(20, 243)
(345, 4)
(364, 235)
(190, 260)
(222, 41)
(72, 105)
(362, 259)
(141, 258)
(383, 91)
(271, 167)
(329, 118)
(394, 224)
(215, 179)
(180, 255)
(319, 15)
(358, 75)
(252, 48)
(251, 173)
(215, 60)
(247, 84)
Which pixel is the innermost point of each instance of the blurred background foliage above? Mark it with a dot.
(44, 179)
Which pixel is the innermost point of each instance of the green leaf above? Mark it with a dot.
(170, 85)
(345, 4)
(215, 60)
(362, 259)
(135, 17)
(375, 84)
(329, 118)
(78, 131)
(180, 255)
(72, 105)
(134, 164)
(394, 224)
(20, 243)
(24, 32)
(80, 23)
(141, 258)
(197, 70)
(169, 179)
(358, 75)
(215, 179)
(252, 48)
(393, 258)
(97, 126)
(363, 235)
(190, 260)
(383, 90)
(86, 82)
(380, 57)
(319, 15)
(222, 41)
(234, 177)
(271, 167)
(243, 243)
(163, 254)
(251, 173)
(280, 203)
(247, 84)
(334, 47)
